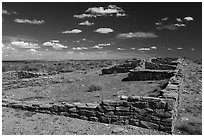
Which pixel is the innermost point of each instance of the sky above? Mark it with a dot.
(100, 30)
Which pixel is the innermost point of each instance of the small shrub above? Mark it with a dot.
(94, 88)
(191, 128)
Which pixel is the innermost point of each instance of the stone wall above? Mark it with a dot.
(167, 61)
(148, 75)
(154, 66)
(124, 68)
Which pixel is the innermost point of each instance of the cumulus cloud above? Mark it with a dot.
(86, 23)
(179, 48)
(82, 16)
(8, 12)
(179, 19)
(120, 49)
(104, 30)
(97, 47)
(105, 11)
(24, 21)
(32, 50)
(54, 44)
(144, 49)
(79, 48)
(105, 44)
(137, 35)
(153, 47)
(174, 24)
(74, 31)
(188, 18)
(23, 44)
(94, 12)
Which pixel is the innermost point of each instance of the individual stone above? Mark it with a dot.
(86, 113)
(61, 108)
(109, 102)
(105, 119)
(149, 125)
(123, 97)
(149, 110)
(83, 117)
(123, 113)
(134, 122)
(81, 105)
(54, 108)
(74, 115)
(108, 108)
(66, 114)
(93, 119)
(167, 120)
(111, 113)
(134, 98)
(160, 105)
(141, 105)
(68, 105)
(122, 108)
(73, 110)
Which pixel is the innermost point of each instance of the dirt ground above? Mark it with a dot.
(18, 122)
(189, 120)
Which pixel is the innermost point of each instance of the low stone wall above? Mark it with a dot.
(148, 75)
(13, 75)
(167, 61)
(124, 68)
(154, 66)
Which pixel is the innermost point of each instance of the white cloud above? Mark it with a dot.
(179, 19)
(56, 45)
(82, 16)
(173, 24)
(188, 18)
(120, 49)
(104, 30)
(137, 35)
(74, 31)
(79, 48)
(86, 23)
(144, 49)
(22, 44)
(106, 44)
(32, 50)
(153, 47)
(97, 47)
(106, 11)
(179, 48)
(165, 19)
(29, 21)
(8, 12)
(180, 25)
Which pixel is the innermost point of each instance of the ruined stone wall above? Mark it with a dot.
(148, 112)
(154, 66)
(148, 75)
